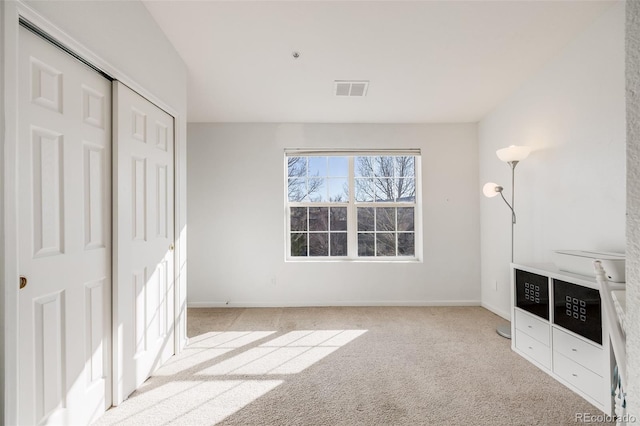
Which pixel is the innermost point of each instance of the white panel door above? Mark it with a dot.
(144, 232)
(64, 155)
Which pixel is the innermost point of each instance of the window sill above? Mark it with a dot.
(348, 260)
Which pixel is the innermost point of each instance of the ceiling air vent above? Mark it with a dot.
(351, 88)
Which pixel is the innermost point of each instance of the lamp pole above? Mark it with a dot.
(513, 165)
(511, 155)
(505, 330)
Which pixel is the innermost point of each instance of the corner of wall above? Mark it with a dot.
(2, 257)
(633, 203)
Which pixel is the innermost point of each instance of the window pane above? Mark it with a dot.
(317, 190)
(338, 166)
(317, 166)
(298, 218)
(384, 190)
(366, 245)
(385, 244)
(406, 189)
(405, 167)
(366, 219)
(383, 166)
(298, 244)
(318, 218)
(338, 244)
(338, 190)
(406, 244)
(364, 190)
(297, 189)
(385, 219)
(338, 218)
(319, 244)
(297, 166)
(405, 219)
(364, 166)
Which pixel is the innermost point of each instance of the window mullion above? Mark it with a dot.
(352, 221)
(395, 229)
(308, 233)
(375, 229)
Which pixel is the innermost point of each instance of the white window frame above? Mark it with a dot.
(352, 205)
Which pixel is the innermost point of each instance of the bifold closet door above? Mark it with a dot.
(144, 236)
(64, 162)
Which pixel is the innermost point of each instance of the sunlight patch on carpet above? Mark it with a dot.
(189, 358)
(207, 347)
(192, 403)
(204, 386)
(227, 339)
(290, 353)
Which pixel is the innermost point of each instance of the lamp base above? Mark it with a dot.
(504, 331)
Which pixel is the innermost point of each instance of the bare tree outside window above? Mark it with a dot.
(385, 179)
(300, 187)
(310, 180)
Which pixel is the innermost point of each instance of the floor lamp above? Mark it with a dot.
(511, 155)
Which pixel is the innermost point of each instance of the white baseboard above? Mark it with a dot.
(499, 312)
(328, 304)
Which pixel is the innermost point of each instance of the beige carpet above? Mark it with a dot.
(348, 366)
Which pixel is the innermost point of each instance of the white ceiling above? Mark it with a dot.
(427, 61)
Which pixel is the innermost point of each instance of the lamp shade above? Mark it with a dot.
(513, 153)
(491, 189)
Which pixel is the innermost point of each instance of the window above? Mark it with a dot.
(352, 205)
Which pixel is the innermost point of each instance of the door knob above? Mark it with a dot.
(171, 247)
(23, 281)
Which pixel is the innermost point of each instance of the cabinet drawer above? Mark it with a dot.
(583, 379)
(534, 327)
(533, 348)
(585, 354)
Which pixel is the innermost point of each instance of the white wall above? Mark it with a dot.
(2, 256)
(125, 36)
(570, 192)
(237, 225)
(633, 205)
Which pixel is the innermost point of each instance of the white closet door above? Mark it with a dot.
(65, 237)
(144, 237)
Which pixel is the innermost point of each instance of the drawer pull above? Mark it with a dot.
(574, 349)
(530, 348)
(574, 374)
(529, 326)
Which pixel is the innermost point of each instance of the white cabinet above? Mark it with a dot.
(557, 324)
(584, 353)
(584, 380)
(532, 348)
(533, 326)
